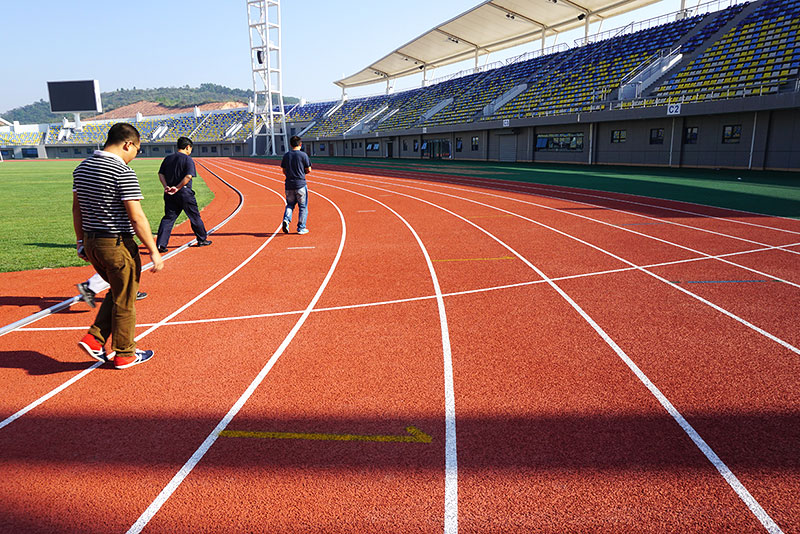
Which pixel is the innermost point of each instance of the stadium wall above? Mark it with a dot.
(757, 133)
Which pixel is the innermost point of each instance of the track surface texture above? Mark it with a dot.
(438, 354)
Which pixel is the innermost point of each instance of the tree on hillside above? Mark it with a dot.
(173, 97)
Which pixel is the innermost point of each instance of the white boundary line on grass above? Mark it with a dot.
(8, 420)
(72, 300)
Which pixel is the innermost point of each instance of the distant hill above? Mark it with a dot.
(169, 97)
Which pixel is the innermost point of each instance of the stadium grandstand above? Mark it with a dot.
(716, 85)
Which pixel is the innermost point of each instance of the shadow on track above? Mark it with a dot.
(548, 442)
(36, 363)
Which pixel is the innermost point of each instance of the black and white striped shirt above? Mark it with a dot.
(103, 183)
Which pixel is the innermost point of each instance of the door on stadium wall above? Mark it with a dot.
(389, 149)
(507, 145)
(436, 149)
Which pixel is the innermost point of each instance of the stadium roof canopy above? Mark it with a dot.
(491, 26)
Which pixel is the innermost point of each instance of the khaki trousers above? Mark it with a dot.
(118, 262)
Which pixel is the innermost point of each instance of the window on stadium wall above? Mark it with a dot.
(731, 134)
(435, 149)
(690, 135)
(459, 144)
(619, 136)
(560, 142)
(657, 136)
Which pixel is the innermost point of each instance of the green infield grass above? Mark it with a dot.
(36, 210)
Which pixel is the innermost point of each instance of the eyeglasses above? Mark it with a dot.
(138, 148)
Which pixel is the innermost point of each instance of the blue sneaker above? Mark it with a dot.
(302, 231)
(139, 356)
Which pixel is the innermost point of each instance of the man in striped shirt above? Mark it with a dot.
(106, 213)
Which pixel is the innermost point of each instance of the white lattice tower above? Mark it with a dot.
(269, 119)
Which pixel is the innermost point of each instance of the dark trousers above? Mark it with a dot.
(182, 201)
(118, 262)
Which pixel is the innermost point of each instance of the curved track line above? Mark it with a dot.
(466, 180)
(70, 301)
(184, 471)
(451, 460)
(720, 309)
(708, 256)
(704, 254)
(665, 221)
(715, 460)
(84, 373)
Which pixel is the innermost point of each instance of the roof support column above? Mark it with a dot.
(476, 59)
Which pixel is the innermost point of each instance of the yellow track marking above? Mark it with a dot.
(480, 259)
(416, 436)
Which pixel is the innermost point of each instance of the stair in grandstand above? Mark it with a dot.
(704, 35)
(360, 125)
(756, 56)
(454, 104)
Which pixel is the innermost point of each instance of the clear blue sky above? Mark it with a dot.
(160, 43)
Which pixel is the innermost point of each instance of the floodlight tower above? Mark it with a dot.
(264, 21)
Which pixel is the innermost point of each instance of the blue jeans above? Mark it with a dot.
(299, 197)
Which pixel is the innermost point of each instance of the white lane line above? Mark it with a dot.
(187, 468)
(733, 316)
(402, 301)
(299, 248)
(94, 366)
(10, 419)
(620, 227)
(715, 460)
(366, 211)
(527, 187)
(451, 458)
(455, 293)
(73, 300)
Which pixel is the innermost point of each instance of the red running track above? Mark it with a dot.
(581, 362)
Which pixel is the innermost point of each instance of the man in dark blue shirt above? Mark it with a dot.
(176, 174)
(295, 166)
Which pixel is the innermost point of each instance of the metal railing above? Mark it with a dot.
(636, 26)
(560, 47)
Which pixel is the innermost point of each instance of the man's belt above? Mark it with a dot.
(93, 235)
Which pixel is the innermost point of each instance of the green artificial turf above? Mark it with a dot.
(36, 210)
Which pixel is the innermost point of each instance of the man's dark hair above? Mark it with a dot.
(122, 132)
(183, 142)
(295, 141)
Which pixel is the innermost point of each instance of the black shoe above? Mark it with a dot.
(140, 295)
(203, 243)
(87, 295)
(162, 250)
(285, 227)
